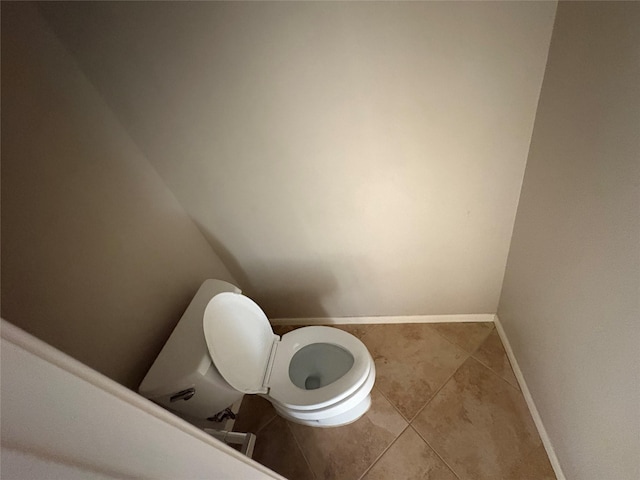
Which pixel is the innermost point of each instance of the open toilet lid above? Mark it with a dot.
(239, 339)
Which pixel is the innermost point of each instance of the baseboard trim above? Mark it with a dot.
(477, 317)
(546, 441)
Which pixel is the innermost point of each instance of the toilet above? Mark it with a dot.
(223, 347)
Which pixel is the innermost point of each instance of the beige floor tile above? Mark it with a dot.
(493, 355)
(412, 363)
(480, 425)
(277, 449)
(255, 412)
(410, 458)
(535, 466)
(469, 336)
(346, 452)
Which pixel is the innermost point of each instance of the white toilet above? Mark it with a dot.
(223, 347)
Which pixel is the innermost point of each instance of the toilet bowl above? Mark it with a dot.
(223, 347)
(318, 376)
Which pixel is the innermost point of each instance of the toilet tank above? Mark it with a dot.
(183, 377)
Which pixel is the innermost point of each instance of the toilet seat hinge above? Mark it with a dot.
(272, 357)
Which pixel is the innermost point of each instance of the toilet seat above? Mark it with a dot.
(325, 415)
(252, 359)
(287, 394)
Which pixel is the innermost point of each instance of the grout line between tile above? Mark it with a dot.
(383, 452)
(392, 405)
(517, 387)
(266, 424)
(436, 452)
(295, 439)
(475, 350)
(467, 357)
(460, 346)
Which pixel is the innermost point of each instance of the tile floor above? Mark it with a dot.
(446, 405)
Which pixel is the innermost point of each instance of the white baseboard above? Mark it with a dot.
(546, 441)
(477, 317)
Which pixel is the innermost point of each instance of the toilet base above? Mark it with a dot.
(344, 418)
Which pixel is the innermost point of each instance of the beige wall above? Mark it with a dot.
(570, 301)
(342, 158)
(98, 257)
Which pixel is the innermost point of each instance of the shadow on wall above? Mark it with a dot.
(302, 300)
(227, 258)
(306, 285)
